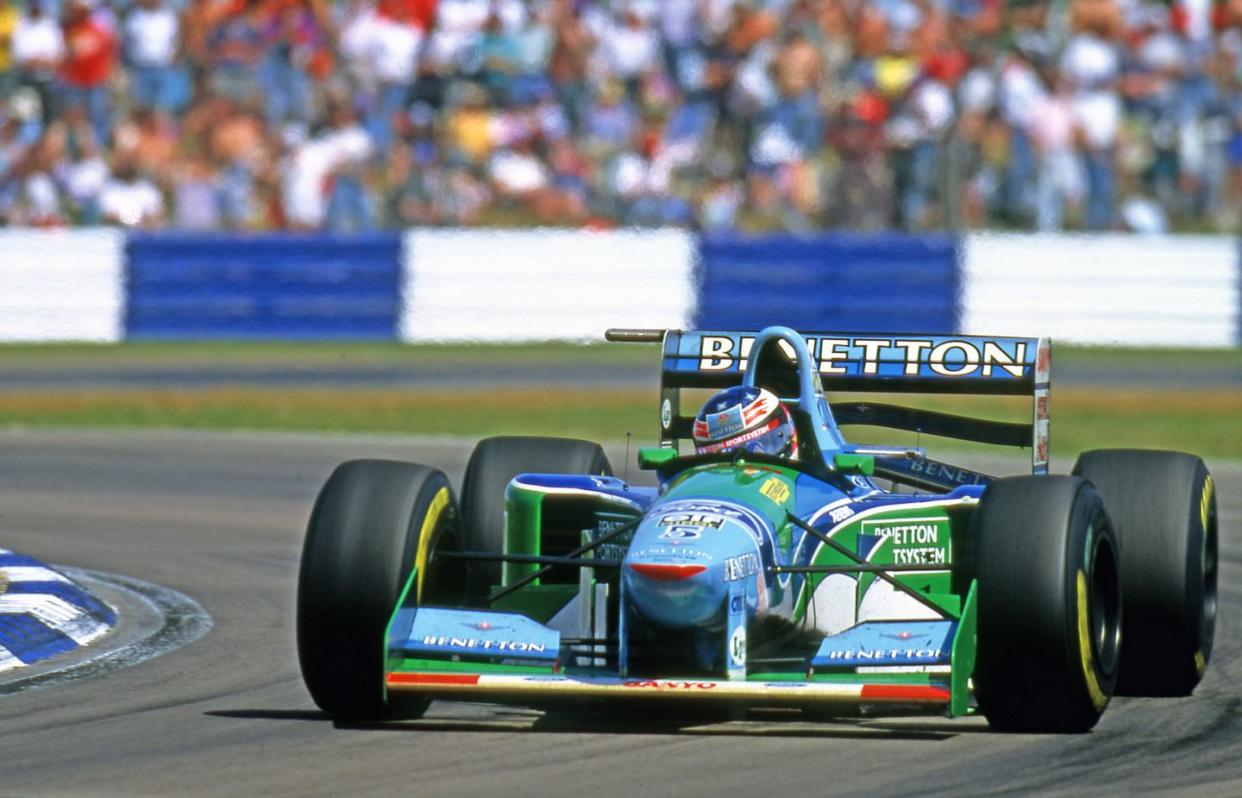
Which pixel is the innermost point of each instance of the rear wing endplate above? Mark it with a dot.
(875, 363)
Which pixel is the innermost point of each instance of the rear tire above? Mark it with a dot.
(1049, 603)
(494, 463)
(373, 520)
(1164, 509)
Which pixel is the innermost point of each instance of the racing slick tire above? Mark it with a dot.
(1163, 506)
(496, 461)
(373, 521)
(1049, 604)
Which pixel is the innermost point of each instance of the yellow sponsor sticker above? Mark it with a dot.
(776, 490)
(1098, 699)
(1200, 662)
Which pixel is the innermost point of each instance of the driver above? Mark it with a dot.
(748, 419)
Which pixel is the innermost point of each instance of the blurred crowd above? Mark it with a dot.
(748, 115)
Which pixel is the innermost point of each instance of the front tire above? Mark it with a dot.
(1164, 508)
(1049, 603)
(373, 522)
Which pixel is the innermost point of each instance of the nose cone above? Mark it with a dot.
(677, 569)
(674, 593)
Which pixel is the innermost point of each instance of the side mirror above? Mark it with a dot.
(652, 457)
(854, 463)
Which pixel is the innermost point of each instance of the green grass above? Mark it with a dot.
(1146, 360)
(244, 353)
(1207, 421)
(581, 413)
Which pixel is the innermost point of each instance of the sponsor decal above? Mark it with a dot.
(919, 556)
(712, 448)
(753, 523)
(737, 568)
(666, 414)
(914, 643)
(486, 645)
(888, 356)
(904, 654)
(610, 551)
(681, 533)
(916, 541)
(484, 626)
(716, 352)
(700, 506)
(737, 647)
(907, 534)
(728, 423)
(698, 520)
(840, 514)
(672, 551)
(775, 489)
(947, 473)
(664, 684)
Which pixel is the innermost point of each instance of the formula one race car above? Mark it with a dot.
(748, 578)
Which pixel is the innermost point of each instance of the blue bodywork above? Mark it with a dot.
(709, 550)
(806, 561)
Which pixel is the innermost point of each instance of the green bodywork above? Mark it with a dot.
(917, 533)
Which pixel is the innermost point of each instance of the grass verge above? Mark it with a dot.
(1205, 422)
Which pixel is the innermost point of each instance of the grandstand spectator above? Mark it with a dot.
(233, 44)
(1091, 64)
(1019, 93)
(38, 45)
(1053, 133)
(196, 196)
(83, 171)
(152, 32)
(726, 114)
(129, 199)
(396, 37)
(90, 56)
(628, 49)
(9, 17)
(349, 148)
(297, 53)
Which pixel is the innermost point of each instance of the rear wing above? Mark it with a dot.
(874, 363)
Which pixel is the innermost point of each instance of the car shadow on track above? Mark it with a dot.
(756, 724)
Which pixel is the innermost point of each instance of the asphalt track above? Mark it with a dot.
(220, 519)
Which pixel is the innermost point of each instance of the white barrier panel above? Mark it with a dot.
(1103, 289)
(509, 285)
(61, 285)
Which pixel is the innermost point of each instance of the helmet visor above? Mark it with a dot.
(775, 438)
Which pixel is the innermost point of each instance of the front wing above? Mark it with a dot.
(496, 656)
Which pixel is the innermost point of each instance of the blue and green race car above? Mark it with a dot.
(851, 579)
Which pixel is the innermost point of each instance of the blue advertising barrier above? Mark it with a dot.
(275, 286)
(861, 283)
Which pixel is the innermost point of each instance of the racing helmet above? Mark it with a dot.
(746, 418)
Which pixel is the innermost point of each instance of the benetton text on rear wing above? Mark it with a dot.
(875, 362)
